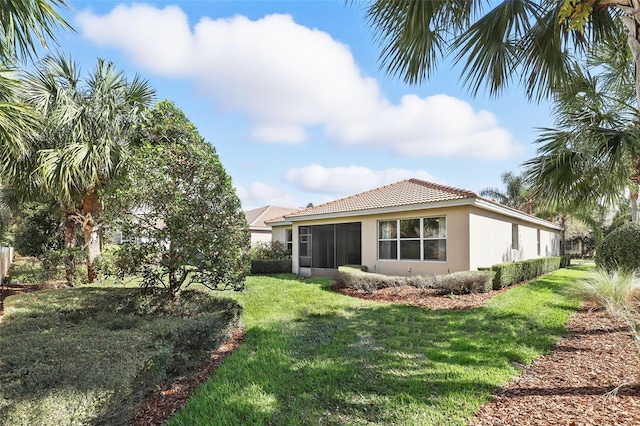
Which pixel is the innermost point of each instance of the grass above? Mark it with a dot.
(90, 355)
(314, 357)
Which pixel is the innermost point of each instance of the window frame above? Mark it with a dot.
(395, 238)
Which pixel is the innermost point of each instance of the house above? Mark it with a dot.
(259, 230)
(413, 227)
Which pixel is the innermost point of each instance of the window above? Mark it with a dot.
(304, 241)
(538, 239)
(515, 238)
(289, 240)
(413, 239)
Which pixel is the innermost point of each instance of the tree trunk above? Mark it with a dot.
(634, 202)
(91, 209)
(631, 20)
(69, 244)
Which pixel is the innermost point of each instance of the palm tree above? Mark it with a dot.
(527, 40)
(87, 125)
(516, 193)
(24, 24)
(593, 155)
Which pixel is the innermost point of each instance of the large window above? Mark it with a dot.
(413, 239)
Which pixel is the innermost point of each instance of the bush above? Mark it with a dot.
(270, 266)
(465, 282)
(273, 250)
(620, 250)
(356, 278)
(515, 272)
(618, 292)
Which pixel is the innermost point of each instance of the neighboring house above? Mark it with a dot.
(260, 231)
(413, 227)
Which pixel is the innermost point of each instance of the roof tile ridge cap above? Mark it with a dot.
(458, 191)
(283, 215)
(348, 197)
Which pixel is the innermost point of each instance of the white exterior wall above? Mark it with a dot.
(490, 239)
(260, 236)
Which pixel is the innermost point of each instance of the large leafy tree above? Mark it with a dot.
(85, 129)
(178, 211)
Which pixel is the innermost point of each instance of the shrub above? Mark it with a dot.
(275, 250)
(356, 278)
(620, 250)
(515, 272)
(270, 266)
(465, 282)
(618, 292)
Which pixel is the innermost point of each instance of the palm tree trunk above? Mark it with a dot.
(634, 202)
(631, 20)
(69, 244)
(91, 208)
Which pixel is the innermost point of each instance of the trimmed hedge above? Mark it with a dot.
(270, 266)
(515, 272)
(465, 282)
(356, 278)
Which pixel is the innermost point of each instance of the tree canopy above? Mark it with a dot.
(178, 211)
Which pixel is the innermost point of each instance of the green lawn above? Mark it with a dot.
(314, 357)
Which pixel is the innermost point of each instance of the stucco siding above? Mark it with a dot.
(491, 239)
(260, 236)
(457, 242)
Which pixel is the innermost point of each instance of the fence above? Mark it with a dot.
(6, 257)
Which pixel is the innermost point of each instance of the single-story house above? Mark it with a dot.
(259, 230)
(413, 227)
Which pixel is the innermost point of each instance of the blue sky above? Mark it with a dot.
(291, 96)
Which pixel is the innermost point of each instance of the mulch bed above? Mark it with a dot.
(592, 377)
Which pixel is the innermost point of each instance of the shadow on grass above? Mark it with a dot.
(388, 364)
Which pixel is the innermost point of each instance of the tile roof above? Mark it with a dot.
(404, 193)
(257, 217)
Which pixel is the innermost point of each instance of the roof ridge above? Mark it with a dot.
(348, 197)
(446, 188)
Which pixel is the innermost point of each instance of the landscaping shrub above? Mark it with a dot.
(515, 272)
(356, 277)
(620, 250)
(276, 250)
(103, 352)
(270, 257)
(465, 282)
(270, 266)
(618, 292)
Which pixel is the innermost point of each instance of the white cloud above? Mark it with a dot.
(286, 77)
(342, 181)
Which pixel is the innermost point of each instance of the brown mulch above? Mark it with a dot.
(592, 377)
(8, 289)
